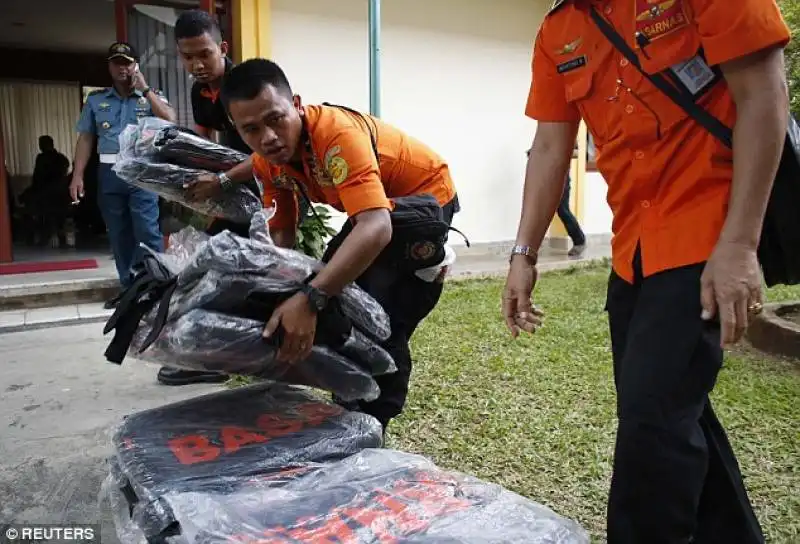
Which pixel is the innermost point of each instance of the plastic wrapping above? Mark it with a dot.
(161, 157)
(204, 303)
(370, 497)
(217, 444)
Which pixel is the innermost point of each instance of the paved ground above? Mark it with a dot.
(59, 399)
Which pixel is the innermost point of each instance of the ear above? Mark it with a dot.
(298, 103)
(224, 48)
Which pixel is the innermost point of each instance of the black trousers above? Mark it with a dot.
(407, 300)
(675, 478)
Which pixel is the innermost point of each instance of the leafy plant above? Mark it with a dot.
(791, 13)
(314, 231)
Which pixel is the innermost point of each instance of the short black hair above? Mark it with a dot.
(46, 140)
(196, 22)
(248, 79)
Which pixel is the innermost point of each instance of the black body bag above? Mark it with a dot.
(419, 231)
(779, 246)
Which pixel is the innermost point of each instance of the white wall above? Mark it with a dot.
(596, 214)
(455, 74)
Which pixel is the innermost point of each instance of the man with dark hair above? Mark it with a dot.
(203, 53)
(359, 165)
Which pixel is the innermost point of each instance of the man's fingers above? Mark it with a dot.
(742, 319)
(509, 308)
(727, 321)
(708, 300)
(272, 325)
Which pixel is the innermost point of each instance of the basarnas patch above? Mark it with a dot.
(657, 18)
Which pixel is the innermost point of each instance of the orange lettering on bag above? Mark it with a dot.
(233, 438)
(275, 426)
(315, 413)
(193, 449)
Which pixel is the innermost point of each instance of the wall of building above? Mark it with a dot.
(596, 213)
(455, 74)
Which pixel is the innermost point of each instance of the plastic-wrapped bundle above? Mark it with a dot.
(219, 442)
(167, 181)
(205, 312)
(370, 497)
(159, 157)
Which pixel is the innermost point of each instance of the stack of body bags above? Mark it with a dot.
(160, 157)
(204, 303)
(272, 463)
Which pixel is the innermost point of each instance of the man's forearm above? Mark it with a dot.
(83, 151)
(758, 139)
(161, 108)
(242, 172)
(358, 251)
(545, 177)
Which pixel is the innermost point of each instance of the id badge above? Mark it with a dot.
(695, 74)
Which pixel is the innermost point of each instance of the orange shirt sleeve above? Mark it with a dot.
(729, 32)
(547, 99)
(351, 163)
(284, 200)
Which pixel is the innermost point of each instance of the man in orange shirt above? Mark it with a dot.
(357, 164)
(687, 213)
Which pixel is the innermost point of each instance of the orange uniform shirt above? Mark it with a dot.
(348, 176)
(669, 180)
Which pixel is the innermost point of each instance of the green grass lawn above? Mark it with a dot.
(536, 415)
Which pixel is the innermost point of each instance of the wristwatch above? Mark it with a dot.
(317, 298)
(146, 91)
(224, 181)
(531, 253)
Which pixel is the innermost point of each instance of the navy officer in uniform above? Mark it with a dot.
(131, 214)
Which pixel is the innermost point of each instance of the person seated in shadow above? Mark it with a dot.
(46, 200)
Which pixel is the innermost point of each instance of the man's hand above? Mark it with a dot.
(76, 189)
(204, 187)
(299, 324)
(518, 309)
(731, 289)
(138, 81)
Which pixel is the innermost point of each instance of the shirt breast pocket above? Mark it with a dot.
(584, 92)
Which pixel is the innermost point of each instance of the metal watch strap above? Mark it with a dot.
(224, 181)
(530, 252)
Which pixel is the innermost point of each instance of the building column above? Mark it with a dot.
(252, 29)
(557, 234)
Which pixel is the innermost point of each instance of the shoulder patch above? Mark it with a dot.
(335, 166)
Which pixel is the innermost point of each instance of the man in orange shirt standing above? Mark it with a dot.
(687, 213)
(361, 166)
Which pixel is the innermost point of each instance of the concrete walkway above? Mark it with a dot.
(59, 400)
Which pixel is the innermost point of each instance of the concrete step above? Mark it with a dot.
(54, 316)
(29, 296)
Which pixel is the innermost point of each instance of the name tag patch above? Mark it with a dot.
(572, 64)
(695, 74)
(657, 18)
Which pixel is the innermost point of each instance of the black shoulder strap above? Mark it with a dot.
(716, 127)
(363, 117)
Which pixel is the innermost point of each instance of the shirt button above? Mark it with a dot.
(629, 109)
(640, 154)
(645, 203)
(623, 62)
